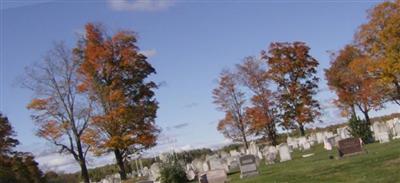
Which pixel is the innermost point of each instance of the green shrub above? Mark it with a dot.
(361, 129)
(172, 172)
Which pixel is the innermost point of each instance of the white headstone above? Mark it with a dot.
(284, 152)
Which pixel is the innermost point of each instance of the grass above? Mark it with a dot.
(381, 163)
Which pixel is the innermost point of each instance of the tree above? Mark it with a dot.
(15, 166)
(379, 38)
(360, 128)
(60, 112)
(349, 77)
(294, 70)
(115, 75)
(7, 140)
(340, 78)
(263, 114)
(231, 100)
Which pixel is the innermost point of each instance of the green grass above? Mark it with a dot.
(381, 163)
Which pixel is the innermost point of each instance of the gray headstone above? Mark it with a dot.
(248, 166)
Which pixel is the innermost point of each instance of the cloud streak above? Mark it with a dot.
(140, 5)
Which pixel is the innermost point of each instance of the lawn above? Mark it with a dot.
(381, 163)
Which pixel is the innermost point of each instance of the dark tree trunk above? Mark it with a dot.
(84, 171)
(245, 141)
(82, 160)
(272, 134)
(120, 163)
(353, 110)
(302, 131)
(367, 117)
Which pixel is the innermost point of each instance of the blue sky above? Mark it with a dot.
(188, 42)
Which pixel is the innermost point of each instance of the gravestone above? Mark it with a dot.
(206, 166)
(292, 142)
(198, 165)
(270, 154)
(248, 166)
(233, 164)
(216, 164)
(213, 176)
(284, 152)
(377, 128)
(234, 153)
(396, 129)
(343, 132)
(327, 145)
(155, 171)
(320, 137)
(349, 146)
(383, 137)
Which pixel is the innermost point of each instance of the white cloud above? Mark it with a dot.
(149, 53)
(140, 5)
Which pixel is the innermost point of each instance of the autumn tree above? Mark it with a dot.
(349, 77)
(379, 38)
(293, 70)
(115, 75)
(230, 99)
(262, 115)
(59, 111)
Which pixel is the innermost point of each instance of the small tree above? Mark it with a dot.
(172, 171)
(361, 129)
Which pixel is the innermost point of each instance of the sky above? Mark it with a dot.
(189, 42)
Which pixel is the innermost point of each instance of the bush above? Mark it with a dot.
(361, 129)
(172, 172)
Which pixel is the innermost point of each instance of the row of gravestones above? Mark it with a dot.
(383, 130)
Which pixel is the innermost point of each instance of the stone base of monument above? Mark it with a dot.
(249, 174)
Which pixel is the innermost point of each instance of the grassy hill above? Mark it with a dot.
(381, 163)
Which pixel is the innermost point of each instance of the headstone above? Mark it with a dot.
(213, 176)
(234, 153)
(233, 164)
(343, 132)
(248, 166)
(292, 142)
(284, 152)
(190, 175)
(320, 137)
(377, 128)
(396, 129)
(206, 167)
(383, 137)
(349, 146)
(198, 165)
(224, 154)
(270, 153)
(155, 171)
(216, 164)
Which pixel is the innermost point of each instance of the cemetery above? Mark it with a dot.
(338, 157)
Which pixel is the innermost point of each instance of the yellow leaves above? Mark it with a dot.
(38, 104)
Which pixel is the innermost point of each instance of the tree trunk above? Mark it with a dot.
(272, 134)
(367, 118)
(302, 131)
(245, 141)
(84, 171)
(82, 160)
(353, 110)
(120, 163)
